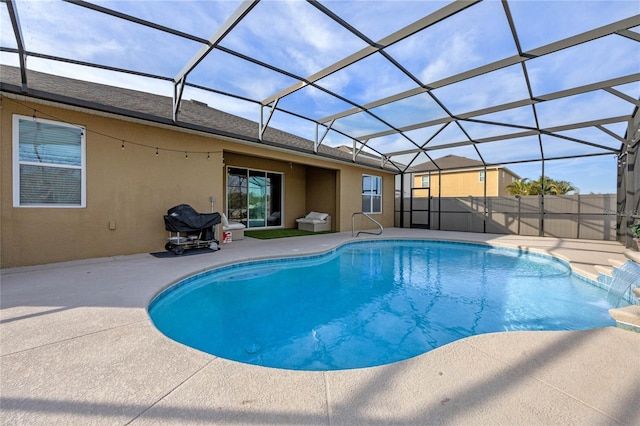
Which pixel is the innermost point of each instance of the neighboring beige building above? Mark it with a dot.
(88, 171)
(455, 176)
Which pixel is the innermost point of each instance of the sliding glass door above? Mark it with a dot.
(257, 199)
(237, 189)
(254, 197)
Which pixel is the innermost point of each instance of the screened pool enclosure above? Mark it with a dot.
(545, 88)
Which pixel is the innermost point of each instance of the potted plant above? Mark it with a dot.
(635, 232)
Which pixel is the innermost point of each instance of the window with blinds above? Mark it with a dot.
(48, 163)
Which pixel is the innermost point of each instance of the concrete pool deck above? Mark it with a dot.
(77, 347)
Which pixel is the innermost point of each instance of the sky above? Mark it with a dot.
(296, 37)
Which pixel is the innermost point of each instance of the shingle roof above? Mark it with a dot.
(446, 163)
(156, 108)
(450, 163)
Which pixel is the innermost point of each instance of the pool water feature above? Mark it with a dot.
(624, 278)
(373, 302)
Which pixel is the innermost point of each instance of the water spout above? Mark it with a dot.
(624, 278)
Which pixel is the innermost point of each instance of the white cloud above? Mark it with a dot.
(101, 76)
(292, 35)
(336, 82)
(304, 25)
(605, 58)
(581, 108)
(391, 143)
(499, 87)
(227, 104)
(542, 22)
(460, 50)
(259, 88)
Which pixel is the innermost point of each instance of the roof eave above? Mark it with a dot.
(113, 111)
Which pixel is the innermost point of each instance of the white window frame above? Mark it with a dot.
(428, 180)
(481, 176)
(16, 164)
(371, 204)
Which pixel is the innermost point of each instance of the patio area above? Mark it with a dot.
(78, 347)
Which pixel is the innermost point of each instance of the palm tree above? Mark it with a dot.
(518, 187)
(550, 186)
(543, 185)
(561, 187)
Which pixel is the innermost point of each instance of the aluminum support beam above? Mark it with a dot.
(403, 33)
(265, 123)
(629, 34)
(135, 20)
(357, 151)
(612, 134)
(353, 151)
(227, 26)
(17, 31)
(532, 132)
(624, 96)
(319, 140)
(541, 51)
(587, 36)
(604, 85)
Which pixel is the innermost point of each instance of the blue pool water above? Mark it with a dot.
(373, 303)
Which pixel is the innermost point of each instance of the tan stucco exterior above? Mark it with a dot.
(463, 183)
(128, 191)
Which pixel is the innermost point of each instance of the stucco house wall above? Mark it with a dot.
(463, 183)
(129, 190)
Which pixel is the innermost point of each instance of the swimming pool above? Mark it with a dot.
(373, 302)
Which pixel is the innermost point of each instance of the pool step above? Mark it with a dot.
(604, 270)
(608, 270)
(627, 317)
(633, 255)
(616, 263)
